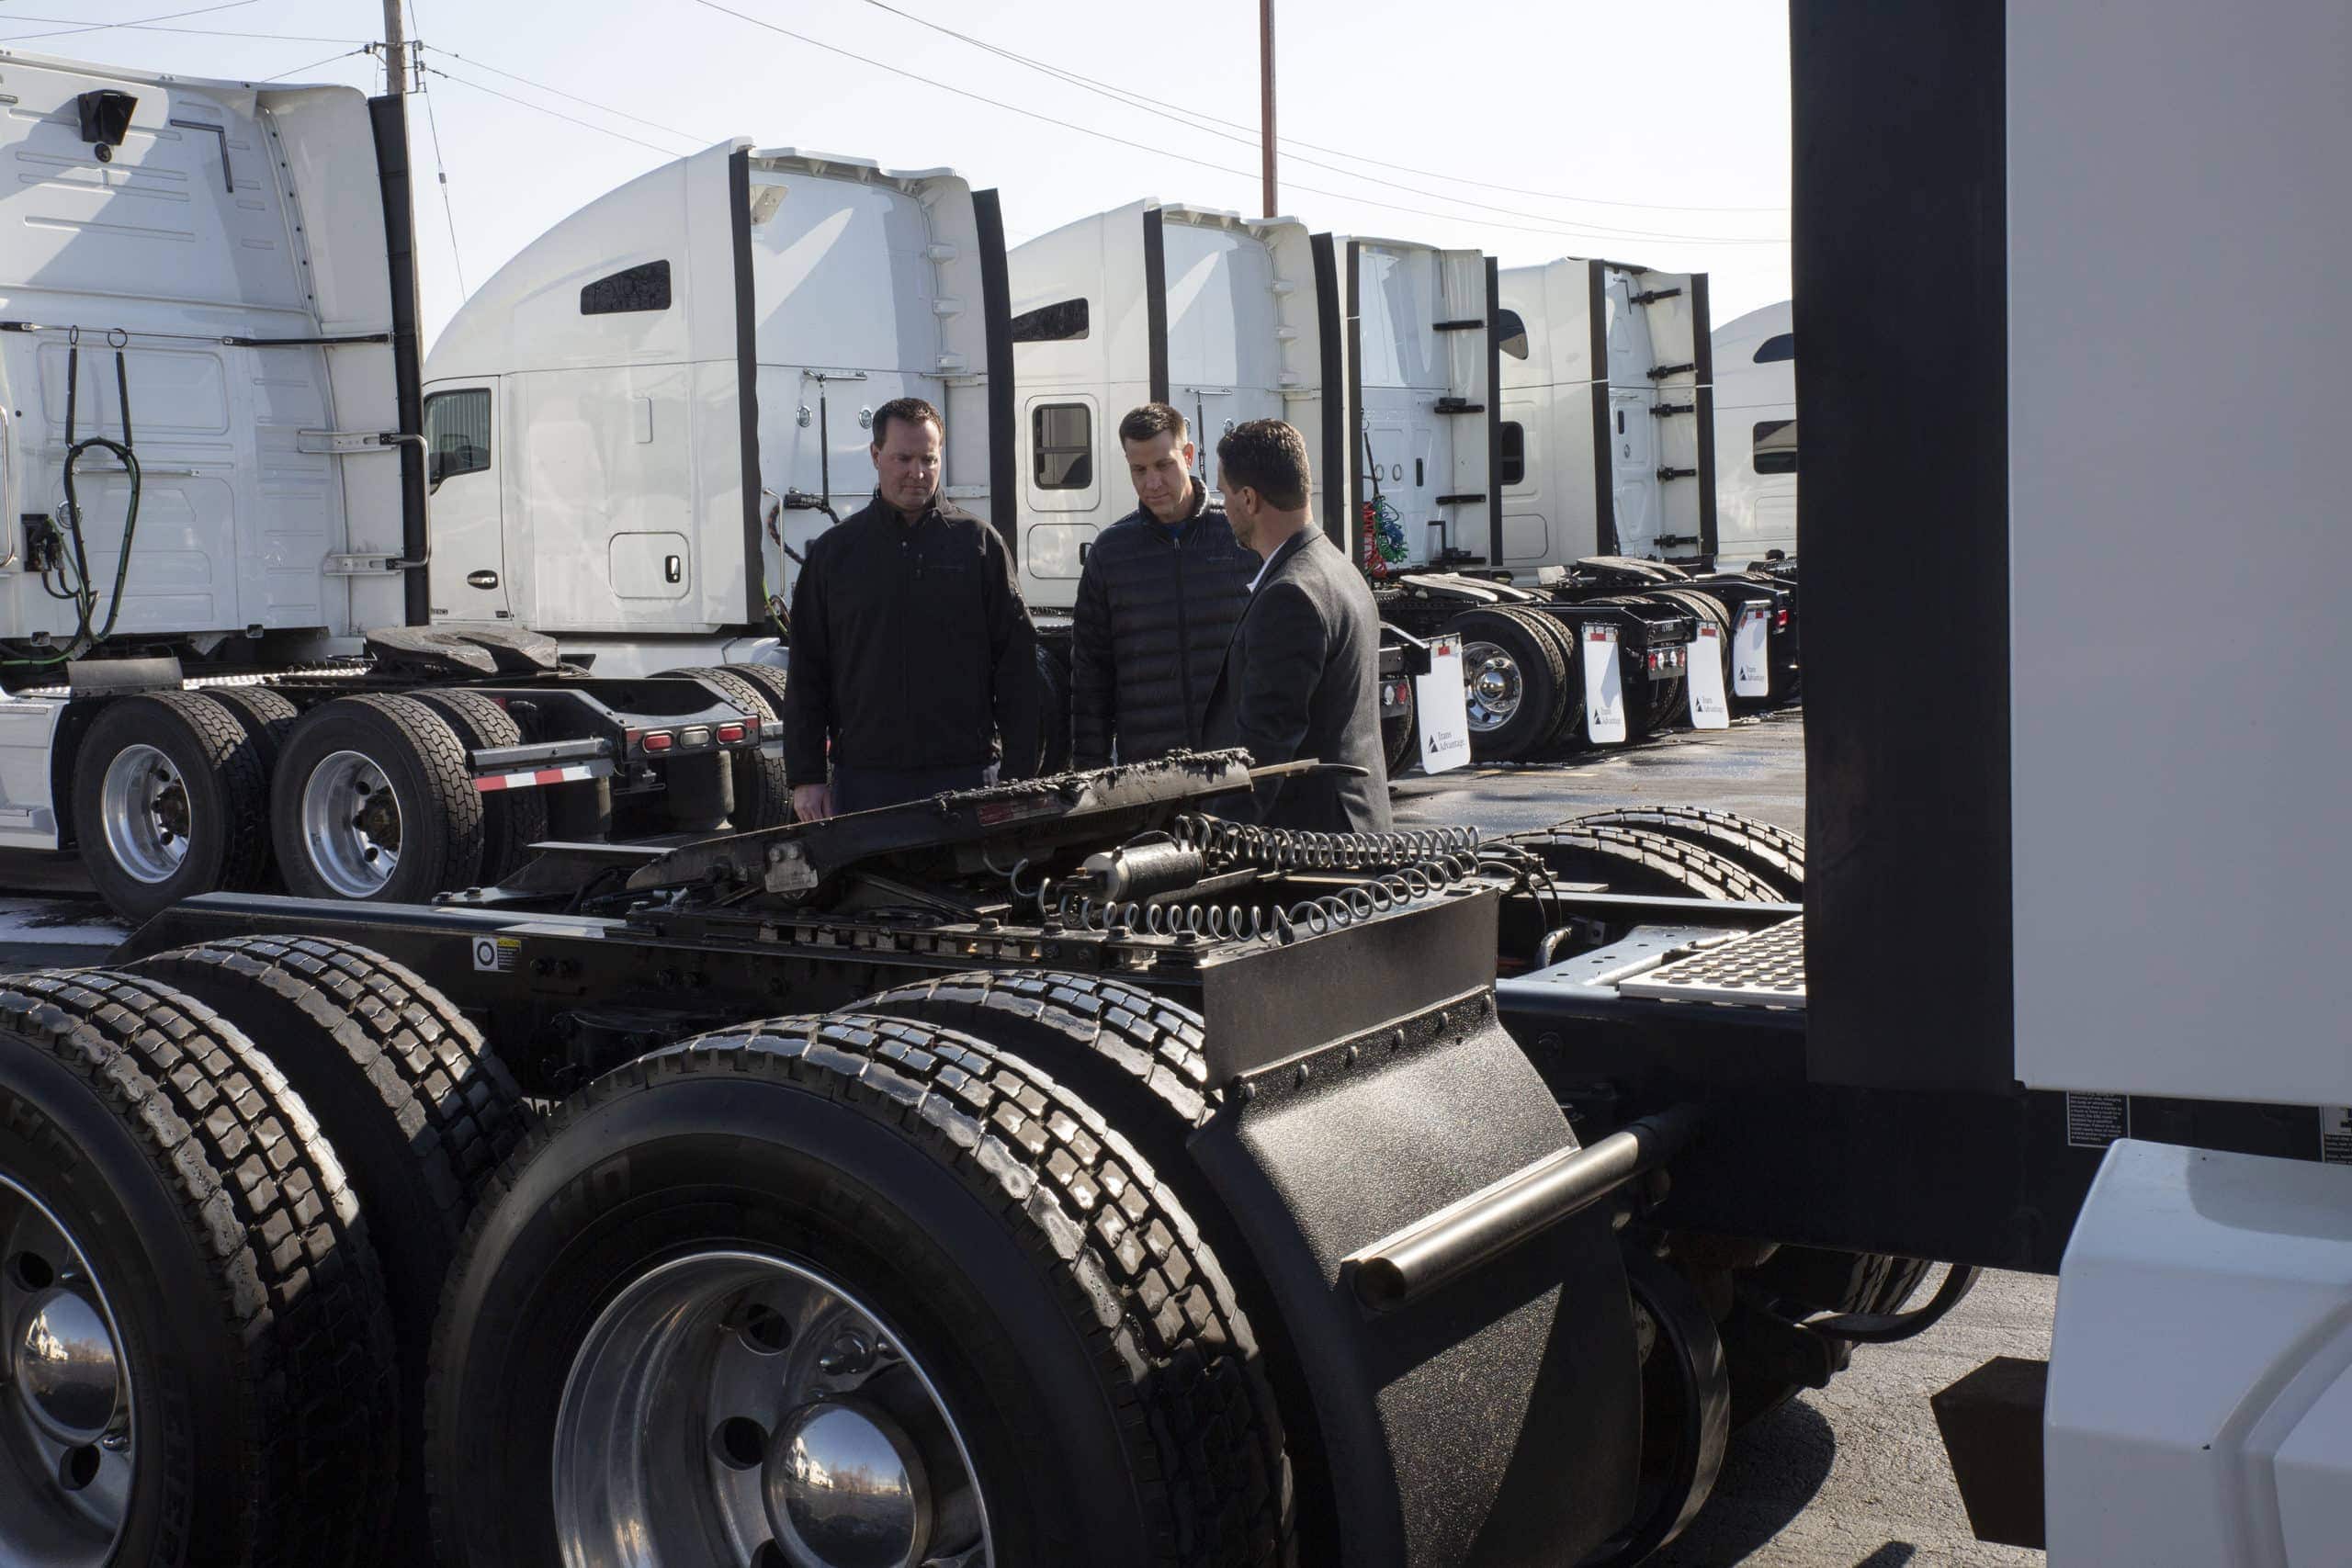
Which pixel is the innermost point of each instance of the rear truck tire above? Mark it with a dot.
(166, 1195)
(1710, 612)
(1516, 684)
(768, 678)
(1053, 714)
(512, 819)
(1066, 1367)
(1567, 732)
(1400, 736)
(1649, 701)
(1633, 860)
(374, 799)
(419, 1111)
(762, 792)
(1686, 1412)
(170, 800)
(1773, 854)
(266, 717)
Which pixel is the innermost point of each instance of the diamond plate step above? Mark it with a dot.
(1765, 969)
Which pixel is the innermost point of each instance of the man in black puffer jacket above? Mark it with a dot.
(1157, 604)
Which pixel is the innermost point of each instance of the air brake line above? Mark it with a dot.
(73, 570)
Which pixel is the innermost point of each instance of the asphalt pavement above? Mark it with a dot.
(1851, 1476)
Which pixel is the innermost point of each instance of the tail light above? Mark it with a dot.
(1781, 619)
(728, 734)
(659, 740)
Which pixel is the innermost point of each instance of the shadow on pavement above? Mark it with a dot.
(1768, 1477)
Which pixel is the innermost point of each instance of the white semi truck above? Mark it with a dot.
(224, 633)
(1756, 434)
(1052, 1174)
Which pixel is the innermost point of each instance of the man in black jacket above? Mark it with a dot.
(912, 650)
(1157, 604)
(1302, 676)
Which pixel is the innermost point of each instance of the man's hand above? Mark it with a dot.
(812, 801)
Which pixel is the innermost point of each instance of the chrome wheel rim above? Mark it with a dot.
(351, 822)
(145, 801)
(67, 1454)
(1495, 686)
(735, 1407)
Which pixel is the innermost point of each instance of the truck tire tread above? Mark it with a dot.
(512, 819)
(262, 1194)
(1772, 853)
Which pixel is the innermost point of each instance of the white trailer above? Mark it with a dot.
(223, 664)
(1755, 435)
(1607, 437)
(640, 421)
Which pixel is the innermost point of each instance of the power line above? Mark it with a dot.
(193, 32)
(558, 92)
(558, 114)
(143, 21)
(1225, 127)
(330, 59)
(1580, 233)
(441, 169)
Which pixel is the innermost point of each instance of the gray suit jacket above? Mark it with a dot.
(1302, 679)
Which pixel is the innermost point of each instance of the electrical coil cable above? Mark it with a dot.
(73, 570)
(1228, 844)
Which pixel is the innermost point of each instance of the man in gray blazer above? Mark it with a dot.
(1302, 674)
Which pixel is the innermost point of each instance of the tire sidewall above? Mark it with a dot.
(710, 1163)
(59, 1140)
(355, 727)
(132, 721)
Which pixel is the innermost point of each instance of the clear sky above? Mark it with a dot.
(1533, 128)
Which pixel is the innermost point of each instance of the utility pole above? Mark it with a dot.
(395, 49)
(1265, 95)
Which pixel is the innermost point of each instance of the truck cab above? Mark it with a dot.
(638, 425)
(1756, 434)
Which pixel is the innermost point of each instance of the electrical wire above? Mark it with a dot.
(1250, 174)
(558, 92)
(143, 21)
(193, 32)
(330, 59)
(441, 168)
(542, 109)
(1234, 132)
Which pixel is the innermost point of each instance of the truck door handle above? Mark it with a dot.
(481, 579)
(674, 568)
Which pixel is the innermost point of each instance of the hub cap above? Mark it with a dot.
(145, 801)
(1495, 686)
(66, 1451)
(738, 1408)
(351, 821)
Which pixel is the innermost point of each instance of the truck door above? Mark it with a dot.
(1211, 412)
(1633, 451)
(464, 506)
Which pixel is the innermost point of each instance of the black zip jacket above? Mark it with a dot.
(1155, 610)
(910, 649)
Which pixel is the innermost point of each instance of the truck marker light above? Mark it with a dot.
(697, 735)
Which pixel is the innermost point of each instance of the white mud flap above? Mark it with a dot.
(1704, 677)
(1750, 677)
(1442, 708)
(1604, 688)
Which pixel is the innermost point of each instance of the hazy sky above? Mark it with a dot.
(1536, 128)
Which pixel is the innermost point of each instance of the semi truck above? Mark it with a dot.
(1756, 434)
(1051, 1173)
(245, 640)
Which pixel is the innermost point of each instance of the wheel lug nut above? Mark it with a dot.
(848, 1355)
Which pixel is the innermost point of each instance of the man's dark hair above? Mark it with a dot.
(908, 409)
(1266, 456)
(1153, 419)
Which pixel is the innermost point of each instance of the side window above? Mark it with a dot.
(457, 434)
(1776, 445)
(642, 287)
(1781, 347)
(1510, 333)
(1062, 437)
(1514, 453)
(1061, 322)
